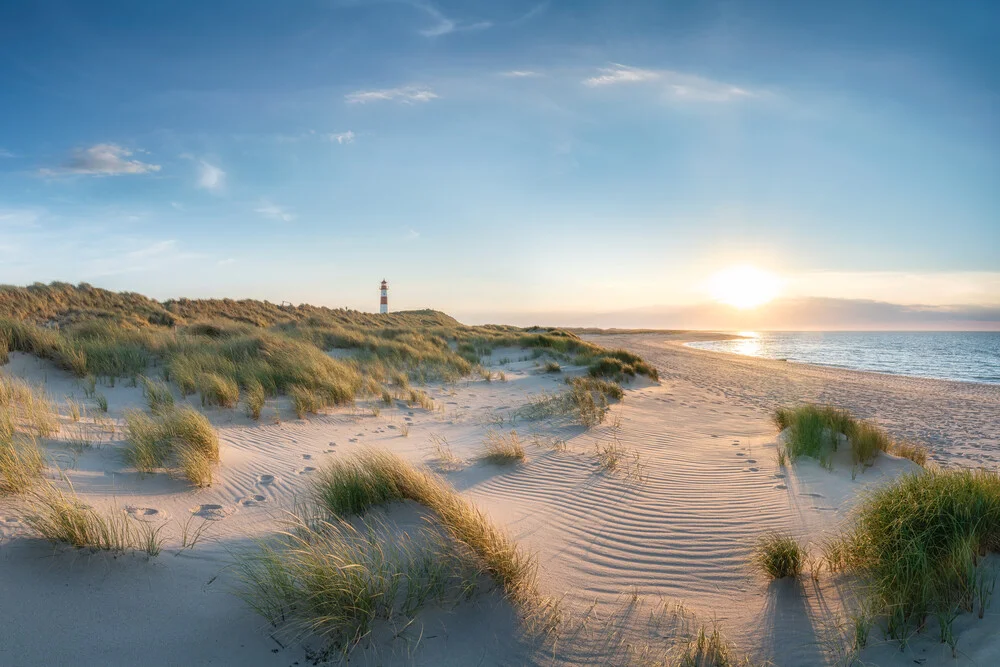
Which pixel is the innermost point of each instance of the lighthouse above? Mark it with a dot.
(383, 304)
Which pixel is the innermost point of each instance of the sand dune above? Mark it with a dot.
(620, 548)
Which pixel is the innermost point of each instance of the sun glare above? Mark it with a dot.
(744, 286)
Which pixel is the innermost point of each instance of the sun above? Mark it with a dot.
(744, 286)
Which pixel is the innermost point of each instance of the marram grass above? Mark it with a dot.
(348, 486)
(181, 438)
(918, 544)
(501, 449)
(778, 556)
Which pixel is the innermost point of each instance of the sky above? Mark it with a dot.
(524, 162)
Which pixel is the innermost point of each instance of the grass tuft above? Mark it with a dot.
(60, 517)
(918, 544)
(183, 438)
(350, 485)
(501, 449)
(778, 556)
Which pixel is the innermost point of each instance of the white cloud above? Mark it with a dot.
(676, 86)
(210, 177)
(412, 234)
(226, 262)
(445, 25)
(620, 74)
(405, 95)
(6, 153)
(519, 73)
(342, 137)
(177, 206)
(273, 211)
(102, 160)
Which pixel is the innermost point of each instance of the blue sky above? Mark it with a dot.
(497, 160)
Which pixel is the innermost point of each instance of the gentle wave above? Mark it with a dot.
(953, 355)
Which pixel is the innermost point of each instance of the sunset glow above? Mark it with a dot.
(744, 286)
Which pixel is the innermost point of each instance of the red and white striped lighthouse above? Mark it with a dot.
(383, 304)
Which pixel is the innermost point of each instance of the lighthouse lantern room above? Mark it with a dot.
(383, 306)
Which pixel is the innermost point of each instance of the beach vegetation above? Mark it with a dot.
(60, 517)
(181, 438)
(918, 545)
(778, 555)
(818, 430)
(350, 485)
(501, 449)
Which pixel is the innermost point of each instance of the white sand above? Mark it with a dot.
(681, 535)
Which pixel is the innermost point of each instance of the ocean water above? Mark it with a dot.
(953, 355)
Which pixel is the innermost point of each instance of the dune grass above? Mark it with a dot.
(552, 367)
(350, 485)
(334, 580)
(60, 517)
(918, 544)
(182, 438)
(21, 461)
(586, 401)
(500, 449)
(254, 398)
(817, 431)
(157, 394)
(778, 556)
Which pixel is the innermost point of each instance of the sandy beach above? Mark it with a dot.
(635, 555)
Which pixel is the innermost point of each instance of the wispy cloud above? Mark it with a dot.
(226, 262)
(404, 95)
(273, 211)
(342, 137)
(177, 206)
(412, 234)
(519, 73)
(211, 177)
(675, 85)
(620, 74)
(6, 153)
(101, 160)
(445, 25)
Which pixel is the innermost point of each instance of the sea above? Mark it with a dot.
(972, 356)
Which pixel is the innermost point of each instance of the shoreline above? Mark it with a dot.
(690, 345)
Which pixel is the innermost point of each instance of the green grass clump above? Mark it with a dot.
(501, 449)
(218, 390)
(778, 556)
(552, 367)
(918, 544)
(587, 402)
(157, 394)
(334, 581)
(253, 398)
(60, 517)
(21, 461)
(816, 431)
(350, 485)
(183, 438)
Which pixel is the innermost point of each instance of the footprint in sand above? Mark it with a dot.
(812, 495)
(329, 451)
(210, 511)
(753, 469)
(735, 444)
(715, 436)
(780, 486)
(307, 456)
(265, 480)
(10, 519)
(307, 470)
(751, 460)
(352, 440)
(251, 501)
(145, 513)
(740, 453)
